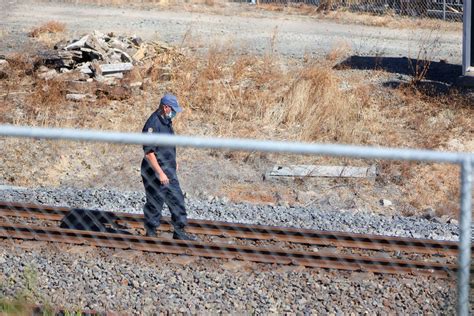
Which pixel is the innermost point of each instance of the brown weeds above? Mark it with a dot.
(339, 51)
(319, 109)
(44, 104)
(229, 94)
(49, 33)
(216, 61)
(242, 66)
(434, 186)
(327, 10)
(20, 64)
(48, 27)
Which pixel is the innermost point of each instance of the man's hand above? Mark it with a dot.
(164, 178)
(156, 166)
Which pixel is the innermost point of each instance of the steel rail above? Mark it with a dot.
(227, 251)
(258, 232)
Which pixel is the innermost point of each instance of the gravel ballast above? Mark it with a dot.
(214, 208)
(125, 281)
(141, 283)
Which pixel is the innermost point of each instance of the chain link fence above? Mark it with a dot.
(446, 9)
(280, 226)
(23, 223)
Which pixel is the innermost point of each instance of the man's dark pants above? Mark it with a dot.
(157, 194)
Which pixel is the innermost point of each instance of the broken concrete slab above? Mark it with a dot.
(92, 54)
(78, 44)
(117, 51)
(56, 59)
(101, 60)
(86, 69)
(118, 44)
(322, 171)
(114, 68)
(124, 56)
(97, 43)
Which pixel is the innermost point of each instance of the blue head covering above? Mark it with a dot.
(171, 100)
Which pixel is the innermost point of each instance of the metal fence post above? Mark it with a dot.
(444, 10)
(465, 236)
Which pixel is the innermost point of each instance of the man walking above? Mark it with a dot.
(158, 172)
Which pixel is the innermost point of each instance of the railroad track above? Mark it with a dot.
(256, 254)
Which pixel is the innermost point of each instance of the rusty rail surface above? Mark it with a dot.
(228, 251)
(257, 232)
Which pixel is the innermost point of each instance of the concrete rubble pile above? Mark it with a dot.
(103, 58)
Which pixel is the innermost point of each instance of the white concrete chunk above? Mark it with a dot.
(323, 171)
(111, 68)
(78, 44)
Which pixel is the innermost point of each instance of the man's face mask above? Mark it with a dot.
(171, 115)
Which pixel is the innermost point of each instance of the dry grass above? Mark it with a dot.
(343, 16)
(45, 103)
(251, 193)
(48, 27)
(435, 122)
(20, 64)
(226, 93)
(318, 109)
(49, 33)
(340, 50)
(250, 93)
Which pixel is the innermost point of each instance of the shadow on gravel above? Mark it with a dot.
(440, 72)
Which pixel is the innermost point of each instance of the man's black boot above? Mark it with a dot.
(151, 232)
(180, 234)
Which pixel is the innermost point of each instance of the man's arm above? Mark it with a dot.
(156, 167)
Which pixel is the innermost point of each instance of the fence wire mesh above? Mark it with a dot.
(86, 223)
(447, 10)
(77, 221)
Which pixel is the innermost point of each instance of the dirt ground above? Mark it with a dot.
(409, 118)
(242, 25)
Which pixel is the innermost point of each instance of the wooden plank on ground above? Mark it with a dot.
(323, 171)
